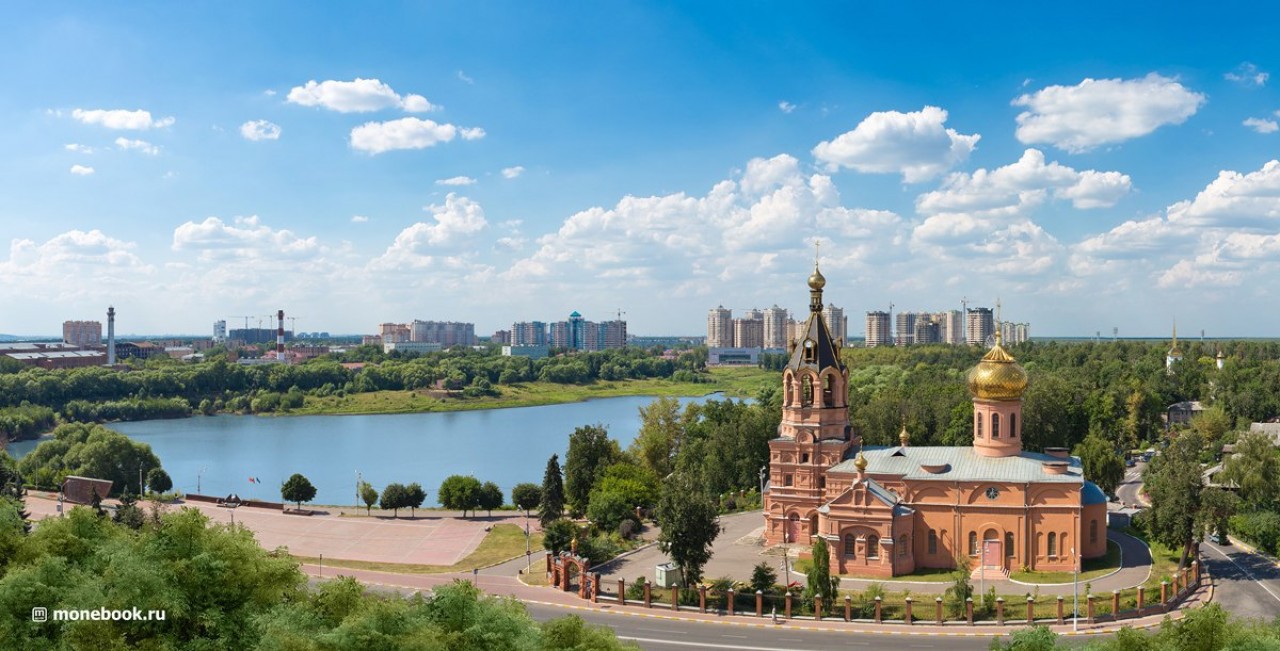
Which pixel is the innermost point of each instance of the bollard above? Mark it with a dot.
(702, 599)
(622, 592)
(1186, 579)
(1031, 610)
(675, 598)
(937, 609)
(595, 588)
(1059, 610)
(1177, 587)
(1195, 566)
(729, 602)
(1089, 600)
(1141, 594)
(968, 608)
(906, 618)
(759, 603)
(1115, 605)
(878, 611)
(1000, 611)
(648, 595)
(788, 601)
(848, 609)
(1164, 593)
(817, 607)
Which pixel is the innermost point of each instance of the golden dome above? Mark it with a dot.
(861, 462)
(816, 279)
(903, 436)
(997, 377)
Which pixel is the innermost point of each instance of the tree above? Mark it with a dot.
(158, 480)
(557, 535)
(1254, 469)
(591, 451)
(489, 497)
(689, 525)
(460, 492)
(1175, 483)
(821, 583)
(637, 485)
(370, 496)
(1103, 465)
(414, 496)
(526, 496)
(128, 513)
(763, 577)
(297, 489)
(394, 497)
(661, 430)
(551, 506)
(608, 509)
(88, 450)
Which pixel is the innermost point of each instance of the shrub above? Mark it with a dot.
(558, 535)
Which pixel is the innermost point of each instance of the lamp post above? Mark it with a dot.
(528, 549)
(764, 471)
(1075, 599)
(198, 475)
(357, 502)
(141, 490)
(786, 567)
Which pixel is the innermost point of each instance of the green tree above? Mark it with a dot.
(661, 429)
(297, 489)
(88, 450)
(526, 496)
(460, 492)
(608, 509)
(558, 535)
(489, 497)
(1103, 464)
(821, 583)
(1212, 424)
(591, 451)
(1174, 481)
(960, 589)
(369, 495)
(158, 480)
(128, 513)
(1255, 469)
(414, 496)
(394, 497)
(689, 525)
(551, 507)
(637, 485)
(763, 577)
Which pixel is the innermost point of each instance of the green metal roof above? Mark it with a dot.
(963, 464)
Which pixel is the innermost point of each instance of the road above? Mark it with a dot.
(1248, 585)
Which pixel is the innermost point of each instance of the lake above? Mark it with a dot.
(218, 454)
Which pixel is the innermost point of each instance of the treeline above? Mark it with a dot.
(90, 450)
(25, 421)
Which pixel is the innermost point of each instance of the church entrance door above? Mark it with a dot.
(991, 556)
(793, 528)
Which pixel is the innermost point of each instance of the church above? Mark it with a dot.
(890, 511)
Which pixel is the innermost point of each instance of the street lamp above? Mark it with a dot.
(1075, 600)
(764, 472)
(357, 492)
(786, 567)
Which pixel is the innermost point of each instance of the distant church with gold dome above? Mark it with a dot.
(889, 511)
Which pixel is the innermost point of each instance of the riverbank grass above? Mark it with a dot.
(504, 542)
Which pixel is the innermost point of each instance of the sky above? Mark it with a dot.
(1091, 165)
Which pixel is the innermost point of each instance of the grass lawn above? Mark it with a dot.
(924, 574)
(1164, 561)
(503, 542)
(1092, 569)
(734, 382)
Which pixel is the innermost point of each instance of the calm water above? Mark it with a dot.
(505, 446)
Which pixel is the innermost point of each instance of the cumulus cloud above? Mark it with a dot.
(1248, 74)
(244, 238)
(456, 180)
(425, 244)
(121, 119)
(74, 255)
(81, 170)
(917, 145)
(1014, 188)
(141, 146)
(258, 130)
(77, 148)
(512, 172)
(462, 76)
(359, 219)
(1234, 200)
(358, 96)
(786, 107)
(1262, 125)
(406, 133)
(1103, 111)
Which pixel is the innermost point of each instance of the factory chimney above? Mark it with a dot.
(280, 336)
(111, 335)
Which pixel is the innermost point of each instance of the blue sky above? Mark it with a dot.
(1093, 166)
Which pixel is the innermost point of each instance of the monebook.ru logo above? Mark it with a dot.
(40, 614)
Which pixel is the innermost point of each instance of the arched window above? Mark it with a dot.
(822, 482)
(873, 546)
(850, 546)
(979, 415)
(973, 543)
(787, 383)
(806, 395)
(1053, 544)
(995, 426)
(1008, 544)
(1093, 531)
(828, 395)
(933, 542)
(804, 457)
(902, 545)
(786, 480)
(1013, 425)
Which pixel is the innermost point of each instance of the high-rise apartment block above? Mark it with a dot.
(579, 334)
(748, 332)
(82, 333)
(878, 333)
(529, 333)
(720, 327)
(979, 325)
(904, 332)
(836, 321)
(445, 333)
(220, 330)
(953, 327)
(775, 328)
(1014, 333)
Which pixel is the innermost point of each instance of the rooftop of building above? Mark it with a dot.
(961, 463)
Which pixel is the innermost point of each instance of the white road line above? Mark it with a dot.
(705, 645)
(1246, 572)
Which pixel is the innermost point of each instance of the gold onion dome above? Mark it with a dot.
(816, 279)
(861, 462)
(997, 377)
(903, 436)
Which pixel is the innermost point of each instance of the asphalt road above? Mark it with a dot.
(1248, 585)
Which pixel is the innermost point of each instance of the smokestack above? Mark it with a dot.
(280, 336)
(111, 335)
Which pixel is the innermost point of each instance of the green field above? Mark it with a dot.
(733, 382)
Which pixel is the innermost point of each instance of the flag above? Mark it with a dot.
(251, 480)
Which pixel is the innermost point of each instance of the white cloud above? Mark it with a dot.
(81, 170)
(72, 256)
(77, 148)
(244, 238)
(512, 172)
(786, 107)
(359, 96)
(1247, 74)
(121, 119)
(465, 79)
(473, 133)
(419, 246)
(1103, 111)
(916, 145)
(258, 130)
(1262, 125)
(406, 133)
(359, 219)
(1014, 188)
(1234, 200)
(141, 146)
(456, 180)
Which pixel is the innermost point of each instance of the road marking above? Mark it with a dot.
(705, 645)
(1246, 572)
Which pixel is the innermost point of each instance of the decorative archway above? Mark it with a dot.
(564, 567)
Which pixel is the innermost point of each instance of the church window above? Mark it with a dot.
(822, 482)
(902, 545)
(873, 546)
(933, 541)
(806, 391)
(1008, 544)
(828, 394)
(786, 480)
(1093, 531)
(850, 546)
(804, 457)
(788, 383)
(1013, 426)
(979, 425)
(1053, 544)
(973, 543)
(810, 351)
(995, 426)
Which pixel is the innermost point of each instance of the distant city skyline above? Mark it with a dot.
(486, 163)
